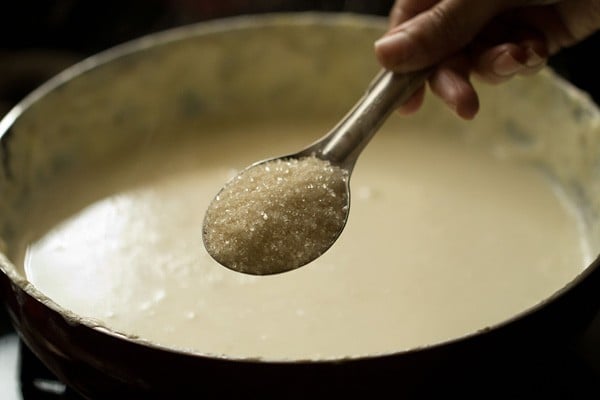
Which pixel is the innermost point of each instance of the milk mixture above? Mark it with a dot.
(442, 240)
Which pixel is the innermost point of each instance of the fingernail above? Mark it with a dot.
(533, 58)
(391, 40)
(392, 47)
(506, 65)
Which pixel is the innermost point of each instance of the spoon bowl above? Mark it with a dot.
(307, 193)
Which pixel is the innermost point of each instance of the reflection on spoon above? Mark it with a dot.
(280, 214)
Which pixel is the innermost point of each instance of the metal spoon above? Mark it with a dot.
(341, 148)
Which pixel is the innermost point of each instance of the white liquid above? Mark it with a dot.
(442, 241)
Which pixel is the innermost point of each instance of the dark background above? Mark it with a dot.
(40, 38)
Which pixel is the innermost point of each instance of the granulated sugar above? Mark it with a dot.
(277, 215)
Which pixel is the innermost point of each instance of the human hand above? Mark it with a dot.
(494, 40)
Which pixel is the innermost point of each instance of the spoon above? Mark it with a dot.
(282, 213)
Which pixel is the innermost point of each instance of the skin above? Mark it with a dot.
(492, 40)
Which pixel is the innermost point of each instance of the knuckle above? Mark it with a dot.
(447, 25)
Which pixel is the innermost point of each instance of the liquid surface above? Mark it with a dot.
(442, 240)
(277, 216)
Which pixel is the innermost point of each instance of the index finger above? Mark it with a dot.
(433, 34)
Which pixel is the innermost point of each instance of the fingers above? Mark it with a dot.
(433, 34)
(502, 62)
(580, 17)
(503, 50)
(463, 37)
(414, 103)
(564, 23)
(451, 83)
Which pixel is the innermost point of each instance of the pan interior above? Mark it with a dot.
(454, 226)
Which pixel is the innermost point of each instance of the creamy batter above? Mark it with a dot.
(442, 240)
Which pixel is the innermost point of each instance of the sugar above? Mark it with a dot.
(277, 215)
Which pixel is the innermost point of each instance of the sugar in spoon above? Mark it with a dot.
(282, 213)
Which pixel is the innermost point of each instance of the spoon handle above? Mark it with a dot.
(388, 90)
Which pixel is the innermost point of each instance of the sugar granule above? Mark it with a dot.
(277, 215)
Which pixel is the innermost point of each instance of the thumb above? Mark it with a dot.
(434, 34)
